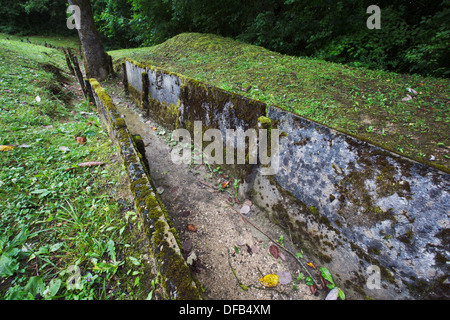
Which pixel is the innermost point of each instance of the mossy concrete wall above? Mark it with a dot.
(179, 101)
(173, 274)
(360, 206)
(355, 207)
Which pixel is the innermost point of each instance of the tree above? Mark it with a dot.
(96, 59)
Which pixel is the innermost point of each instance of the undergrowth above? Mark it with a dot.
(65, 230)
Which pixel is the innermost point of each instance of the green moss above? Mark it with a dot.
(173, 273)
(314, 211)
(265, 122)
(119, 123)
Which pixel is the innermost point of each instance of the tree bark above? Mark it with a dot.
(97, 63)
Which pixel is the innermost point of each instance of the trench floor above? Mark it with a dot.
(227, 254)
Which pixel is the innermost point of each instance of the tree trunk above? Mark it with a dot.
(97, 63)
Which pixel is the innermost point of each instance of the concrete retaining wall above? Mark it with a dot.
(357, 208)
(172, 271)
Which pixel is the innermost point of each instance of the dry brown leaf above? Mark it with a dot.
(81, 140)
(274, 251)
(185, 213)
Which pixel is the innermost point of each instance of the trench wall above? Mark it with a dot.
(168, 263)
(360, 210)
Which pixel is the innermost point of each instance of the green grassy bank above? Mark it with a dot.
(367, 104)
(66, 229)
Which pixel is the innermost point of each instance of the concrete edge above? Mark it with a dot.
(173, 273)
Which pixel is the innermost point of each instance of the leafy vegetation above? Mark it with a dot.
(65, 230)
(367, 103)
(413, 38)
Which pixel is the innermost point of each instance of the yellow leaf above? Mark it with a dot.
(6, 148)
(311, 265)
(269, 281)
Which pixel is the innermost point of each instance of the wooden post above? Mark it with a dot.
(69, 64)
(79, 75)
(89, 91)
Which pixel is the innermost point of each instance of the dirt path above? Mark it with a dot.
(228, 255)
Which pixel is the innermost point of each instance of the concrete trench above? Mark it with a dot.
(379, 222)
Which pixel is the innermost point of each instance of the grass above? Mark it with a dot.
(67, 232)
(364, 103)
(40, 40)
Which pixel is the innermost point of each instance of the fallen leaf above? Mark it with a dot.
(81, 140)
(225, 184)
(90, 164)
(313, 289)
(285, 277)
(187, 246)
(185, 213)
(6, 148)
(160, 190)
(245, 209)
(322, 280)
(274, 251)
(412, 91)
(191, 228)
(407, 98)
(269, 281)
(311, 265)
(333, 294)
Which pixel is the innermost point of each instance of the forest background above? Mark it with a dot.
(414, 36)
